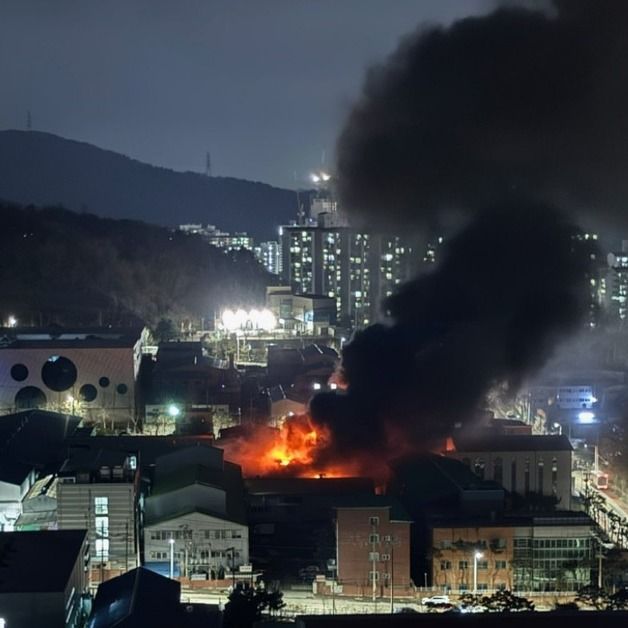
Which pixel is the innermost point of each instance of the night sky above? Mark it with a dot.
(264, 85)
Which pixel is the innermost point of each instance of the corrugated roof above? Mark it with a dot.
(22, 553)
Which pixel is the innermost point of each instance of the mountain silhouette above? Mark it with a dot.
(44, 169)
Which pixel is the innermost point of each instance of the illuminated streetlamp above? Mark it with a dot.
(476, 557)
(174, 411)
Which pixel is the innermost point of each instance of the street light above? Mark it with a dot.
(171, 541)
(476, 557)
(173, 410)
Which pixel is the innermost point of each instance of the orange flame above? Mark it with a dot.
(293, 450)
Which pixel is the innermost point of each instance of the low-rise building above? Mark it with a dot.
(522, 464)
(91, 372)
(373, 547)
(195, 515)
(520, 553)
(98, 491)
(43, 576)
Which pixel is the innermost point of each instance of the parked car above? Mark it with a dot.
(435, 600)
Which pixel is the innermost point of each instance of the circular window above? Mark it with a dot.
(19, 372)
(122, 389)
(30, 397)
(58, 373)
(88, 392)
(104, 382)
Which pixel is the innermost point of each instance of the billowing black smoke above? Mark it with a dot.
(517, 113)
(514, 102)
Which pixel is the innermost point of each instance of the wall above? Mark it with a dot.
(117, 364)
(75, 511)
(353, 530)
(519, 458)
(453, 546)
(201, 542)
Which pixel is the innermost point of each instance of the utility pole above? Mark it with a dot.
(208, 164)
(392, 575)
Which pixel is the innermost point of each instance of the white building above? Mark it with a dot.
(196, 510)
(89, 372)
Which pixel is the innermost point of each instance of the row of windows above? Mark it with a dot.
(202, 555)
(498, 543)
(164, 535)
(446, 565)
(551, 543)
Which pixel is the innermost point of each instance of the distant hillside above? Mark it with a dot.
(61, 267)
(45, 169)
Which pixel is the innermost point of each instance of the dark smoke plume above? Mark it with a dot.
(514, 103)
(519, 112)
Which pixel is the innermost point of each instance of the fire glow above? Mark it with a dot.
(296, 449)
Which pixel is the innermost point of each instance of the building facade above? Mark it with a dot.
(98, 491)
(88, 372)
(521, 464)
(373, 548)
(541, 553)
(357, 269)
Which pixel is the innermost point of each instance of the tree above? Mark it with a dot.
(618, 601)
(591, 595)
(247, 604)
(566, 606)
(506, 602)
(165, 330)
(469, 600)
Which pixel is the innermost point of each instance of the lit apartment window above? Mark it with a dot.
(500, 564)
(373, 556)
(101, 505)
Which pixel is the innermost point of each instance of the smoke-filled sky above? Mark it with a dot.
(264, 85)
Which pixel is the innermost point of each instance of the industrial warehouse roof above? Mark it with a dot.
(139, 597)
(38, 562)
(197, 474)
(153, 520)
(82, 338)
(514, 442)
(36, 437)
(309, 486)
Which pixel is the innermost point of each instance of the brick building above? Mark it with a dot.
(550, 552)
(373, 547)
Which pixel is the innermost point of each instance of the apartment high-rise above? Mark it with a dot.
(322, 254)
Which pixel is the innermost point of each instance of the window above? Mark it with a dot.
(102, 549)
(445, 565)
(374, 521)
(500, 564)
(498, 470)
(101, 505)
(540, 468)
(513, 476)
(385, 556)
(373, 576)
(478, 467)
(482, 564)
(373, 538)
(482, 586)
(463, 564)
(445, 544)
(102, 526)
(236, 534)
(373, 555)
